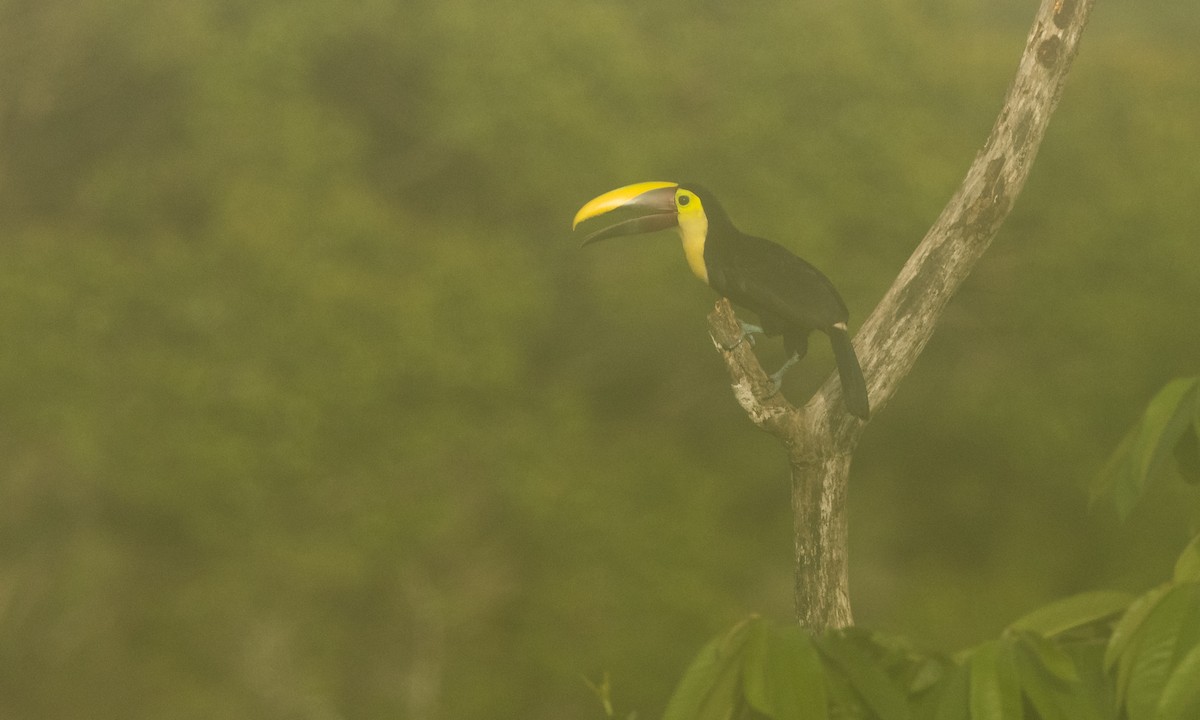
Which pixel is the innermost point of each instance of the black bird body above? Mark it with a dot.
(791, 297)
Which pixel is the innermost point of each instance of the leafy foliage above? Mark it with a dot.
(1105, 655)
(1098, 655)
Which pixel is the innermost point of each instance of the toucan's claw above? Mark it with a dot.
(749, 331)
(777, 376)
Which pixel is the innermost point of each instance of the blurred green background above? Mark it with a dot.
(311, 408)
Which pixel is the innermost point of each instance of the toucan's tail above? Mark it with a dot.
(854, 387)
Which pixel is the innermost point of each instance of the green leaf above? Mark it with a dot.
(1129, 624)
(844, 701)
(789, 682)
(927, 673)
(1050, 657)
(1075, 611)
(954, 696)
(1181, 695)
(1143, 451)
(1170, 413)
(1096, 696)
(995, 691)
(1187, 453)
(709, 688)
(1154, 655)
(872, 684)
(1187, 567)
(1113, 480)
(754, 672)
(1047, 692)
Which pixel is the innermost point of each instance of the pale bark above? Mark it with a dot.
(821, 436)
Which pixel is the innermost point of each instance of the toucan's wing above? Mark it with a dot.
(768, 279)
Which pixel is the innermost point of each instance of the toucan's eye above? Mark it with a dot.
(684, 200)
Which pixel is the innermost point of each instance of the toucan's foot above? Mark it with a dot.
(749, 331)
(777, 376)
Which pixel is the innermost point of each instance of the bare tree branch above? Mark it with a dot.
(820, 438)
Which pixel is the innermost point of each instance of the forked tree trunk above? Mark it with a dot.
(820, 437)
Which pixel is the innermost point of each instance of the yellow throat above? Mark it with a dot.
(693, 229)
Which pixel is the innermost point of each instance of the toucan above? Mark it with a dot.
(791, 297)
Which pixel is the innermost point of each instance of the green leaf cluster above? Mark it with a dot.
(1093, 656)
(1099, 655)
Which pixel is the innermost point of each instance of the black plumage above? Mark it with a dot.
(791, 297)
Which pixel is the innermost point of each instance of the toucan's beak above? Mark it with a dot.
(656, 198)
